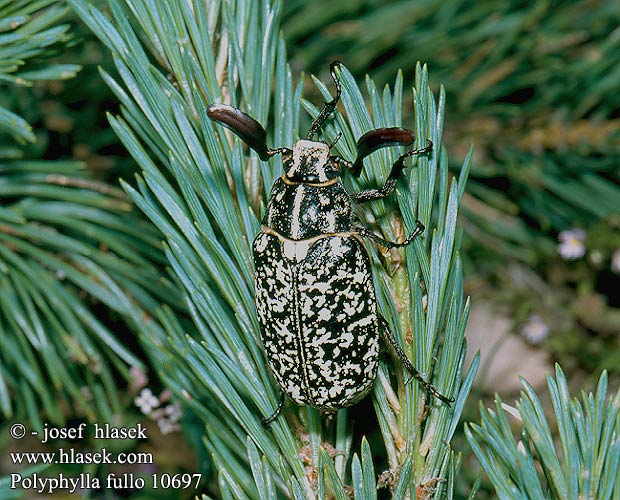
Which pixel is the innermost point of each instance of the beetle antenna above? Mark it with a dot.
(330, 106)
(335, 140)
(245, 127)
(278, 151)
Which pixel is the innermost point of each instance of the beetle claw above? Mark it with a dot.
(266, 422)
(430, 388)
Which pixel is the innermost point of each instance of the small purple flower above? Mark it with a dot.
(535, 330)
(572, 244)
(137, 378)
(166, 426)
(615, 261)
(173, 412)
(146, 401)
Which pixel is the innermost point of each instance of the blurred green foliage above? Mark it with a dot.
(31, 32)
(80, 269)
(533, 85)
(579, 300)
(68, 116)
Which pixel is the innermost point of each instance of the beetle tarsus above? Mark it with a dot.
(390, 183)
(266, 422)
(335, 141)
(415, 374)
(278, 151)
(419, 229)
(421, 151)
(330, 106)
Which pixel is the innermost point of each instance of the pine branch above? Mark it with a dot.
(203, 191)
(581, 462)
(29, 33)
(8, 493)
(66, 244)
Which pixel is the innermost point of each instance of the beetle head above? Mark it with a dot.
(309, 162)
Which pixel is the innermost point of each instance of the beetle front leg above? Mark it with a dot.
(430, 388)
(268, 421)
(390, 183)
(419, 229)
(330, 106)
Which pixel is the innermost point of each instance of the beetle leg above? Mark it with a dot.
(330, 106)
(267, 421)
(430, 388)
(341, 162)
(419, 229)
(390, 183)
(278, 151)
(335, 141)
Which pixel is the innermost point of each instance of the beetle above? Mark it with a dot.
(315, 297)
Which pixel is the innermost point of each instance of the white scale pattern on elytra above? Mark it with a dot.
(296, 215)
(319, 320)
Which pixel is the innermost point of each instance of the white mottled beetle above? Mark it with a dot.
(314, 290)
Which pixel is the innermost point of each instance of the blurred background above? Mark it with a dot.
(533, 85)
